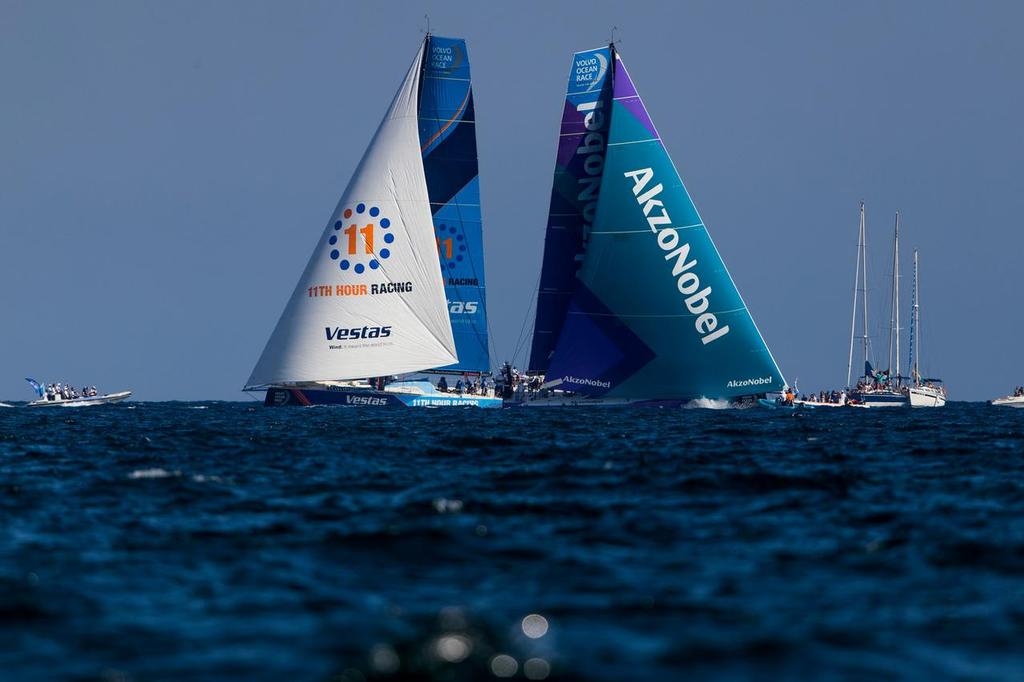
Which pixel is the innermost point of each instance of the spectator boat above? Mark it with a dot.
(921, 392)
(54, 395)
(889, 388)
(874, 388)
(57, 401)
(1009, 401)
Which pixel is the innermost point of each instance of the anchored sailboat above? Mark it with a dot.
(876, 388)
(889, 388)
(372, 301)
(635, 305)
(921, 392)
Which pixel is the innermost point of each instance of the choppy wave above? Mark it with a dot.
(709, 404)
(238, 542)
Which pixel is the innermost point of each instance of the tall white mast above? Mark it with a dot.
(856, 284)
(896, 278)
(861, 262)
(915, 332)
(864, 280)
(894, 319)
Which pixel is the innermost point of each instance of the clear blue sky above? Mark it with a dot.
(166, 168)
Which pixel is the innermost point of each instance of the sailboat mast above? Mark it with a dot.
(856, 286)
(894, 317)
(896, 297)
(915, 329)
(864, 281)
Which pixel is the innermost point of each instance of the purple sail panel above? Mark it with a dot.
(626, 95)
(579, 166)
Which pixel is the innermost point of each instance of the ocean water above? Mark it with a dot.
(213, 541)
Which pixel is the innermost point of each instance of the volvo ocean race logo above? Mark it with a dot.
(588, 70)
(445, 58)
(697, 300)
(361, 239)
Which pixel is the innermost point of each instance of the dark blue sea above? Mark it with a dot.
(226, 541)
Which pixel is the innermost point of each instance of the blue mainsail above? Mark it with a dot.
(653, 312)
(574, 193)
(447, 128)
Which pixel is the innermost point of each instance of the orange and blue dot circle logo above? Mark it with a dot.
(361, 239)
(451, 246)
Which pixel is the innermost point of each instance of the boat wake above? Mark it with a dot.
(709, 404)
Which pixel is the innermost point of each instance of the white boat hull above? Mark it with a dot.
(812, 404)
(1009, 401)
(360, 394)
(879, 399)
(925, 396)
(106, 399)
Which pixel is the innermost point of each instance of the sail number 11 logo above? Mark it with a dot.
(356, 236)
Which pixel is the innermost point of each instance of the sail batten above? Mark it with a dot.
(370, 301)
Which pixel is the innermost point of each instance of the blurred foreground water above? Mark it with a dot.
(192, 541)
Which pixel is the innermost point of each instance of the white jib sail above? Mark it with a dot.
(371, 300)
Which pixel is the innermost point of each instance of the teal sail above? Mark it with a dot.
(447, 127)
(653, 312)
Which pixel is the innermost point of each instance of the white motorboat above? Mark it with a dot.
(105, 399)
(5, 405)
(1009, 401)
